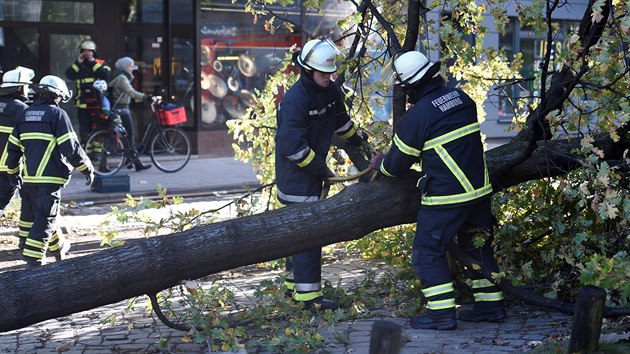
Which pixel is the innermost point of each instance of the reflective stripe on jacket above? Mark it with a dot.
(84, 74)
(44, 138)
(307, 117)
(441, 132)
(10, 107)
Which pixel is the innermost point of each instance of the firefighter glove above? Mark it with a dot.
(376, 161)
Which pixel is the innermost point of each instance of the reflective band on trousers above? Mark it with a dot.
(304, 287)
(441, 304)
(308, 296)
(481, 283)
(438, 289)
(498, 296)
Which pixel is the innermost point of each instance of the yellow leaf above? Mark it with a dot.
(186, 339)
(614, 136)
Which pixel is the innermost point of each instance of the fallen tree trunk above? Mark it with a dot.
(154, 264)
(147, 266)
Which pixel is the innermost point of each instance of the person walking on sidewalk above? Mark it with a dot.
(122, 93)
(441, 132)
(84, 71)
(45, 149)
(13, 95)
(310, 113)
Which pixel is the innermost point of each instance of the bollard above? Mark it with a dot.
(587, 320)
(385, 338)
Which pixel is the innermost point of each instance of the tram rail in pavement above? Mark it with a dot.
(201, 176)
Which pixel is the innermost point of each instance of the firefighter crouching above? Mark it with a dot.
(43, 149)
(13, 95)
(441, 132)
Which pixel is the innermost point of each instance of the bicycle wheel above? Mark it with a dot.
(170, 149)
(106, 151)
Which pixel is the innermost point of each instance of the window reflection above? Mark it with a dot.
(48, 11)
(236, 58)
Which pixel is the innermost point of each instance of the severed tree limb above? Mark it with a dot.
(151, 265)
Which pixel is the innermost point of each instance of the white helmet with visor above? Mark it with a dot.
(319, 55)
(54, 85)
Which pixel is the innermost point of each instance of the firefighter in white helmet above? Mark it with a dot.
(84, 71)
(13, 95)
(441, 132)
(310, 113)
(44, 149)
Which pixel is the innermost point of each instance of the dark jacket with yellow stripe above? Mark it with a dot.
(44, 139)
(441, 132)
(10, 107)
(85, 74)
(308, 116)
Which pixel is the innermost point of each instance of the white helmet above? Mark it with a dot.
(87, 45)
(17, 77)
(409, 67)
(54, 85)
(320, 55)
(100, 85)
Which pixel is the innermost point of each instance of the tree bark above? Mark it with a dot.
(148, 266)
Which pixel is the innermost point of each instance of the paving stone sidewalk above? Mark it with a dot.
(140, 332)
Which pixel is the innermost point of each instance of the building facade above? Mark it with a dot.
(216, 54)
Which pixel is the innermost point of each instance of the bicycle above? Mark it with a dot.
(168, 145)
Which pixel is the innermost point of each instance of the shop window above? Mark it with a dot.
(47, 11)
(237, 55)
(514, 99)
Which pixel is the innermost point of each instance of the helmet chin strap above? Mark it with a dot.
(412, 91)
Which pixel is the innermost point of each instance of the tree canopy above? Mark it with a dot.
(561, 183)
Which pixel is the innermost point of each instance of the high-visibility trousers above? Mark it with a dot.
(437, 228)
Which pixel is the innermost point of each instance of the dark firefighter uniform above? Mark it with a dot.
(11, 106)
(45, 148)
(308, 116)
(84, 74)
(441, 133)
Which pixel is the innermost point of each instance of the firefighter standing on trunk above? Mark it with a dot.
(43, 149)
(441, 132)
(310, 113)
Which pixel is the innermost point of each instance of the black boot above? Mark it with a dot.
(485, 312)
(63, 251)
(33, 263)
(320, 303)
(435, 319)
(140, 166)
